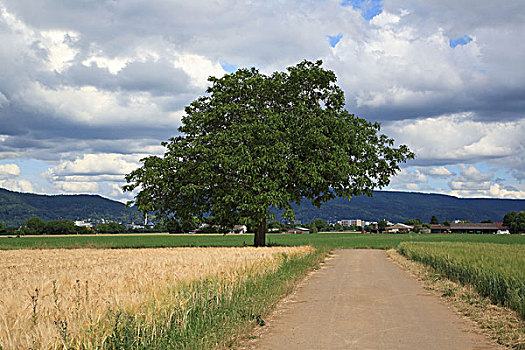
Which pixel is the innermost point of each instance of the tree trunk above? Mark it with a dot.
(260, 235)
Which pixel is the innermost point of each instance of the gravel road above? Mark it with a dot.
(361, 300)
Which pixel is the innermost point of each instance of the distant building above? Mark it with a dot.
(398, 228)
(82, 223)
(485, 228)
(296, 230)
(134, 226)
(351, 222)
(239, 229)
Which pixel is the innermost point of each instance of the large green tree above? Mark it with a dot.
(60, 227)
(259, 141)
(35, 226)
(515, 221)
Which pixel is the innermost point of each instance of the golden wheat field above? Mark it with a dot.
(47, 294)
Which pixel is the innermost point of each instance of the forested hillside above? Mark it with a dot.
(401, 206)
(16, 208)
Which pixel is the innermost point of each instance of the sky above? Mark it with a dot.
(89, 87)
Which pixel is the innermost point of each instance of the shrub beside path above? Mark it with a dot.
(361, 300)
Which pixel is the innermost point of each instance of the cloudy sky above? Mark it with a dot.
(88, 87)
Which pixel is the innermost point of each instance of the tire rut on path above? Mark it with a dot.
(361, 300)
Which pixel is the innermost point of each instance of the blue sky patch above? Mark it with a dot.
(334, 39)
(464, 40)
(31, 170)
(228, 67)
(369, 8)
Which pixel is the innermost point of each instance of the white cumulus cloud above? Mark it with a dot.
(9, 170)
(10, 179)
(97, 164)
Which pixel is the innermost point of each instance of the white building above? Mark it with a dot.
(239, 229)
(351, 222)
(82, 223)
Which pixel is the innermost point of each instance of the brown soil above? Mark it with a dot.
(361, 300)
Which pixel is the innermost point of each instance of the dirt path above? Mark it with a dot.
(361, 300)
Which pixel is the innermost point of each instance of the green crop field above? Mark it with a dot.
(329, 240)
(216, 312)
(497, 271)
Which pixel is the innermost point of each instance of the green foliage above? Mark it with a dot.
(413, 222)
(382, 225)
(60, 227)
(173, 226)
(515, 221)
(277, 226)
(509, 218)
(110, 227)
(446, 223)
(3, 229)
(321, 225)
(434, 220)
(257, 142)
(35, 226)
(496, 271)
(159, 228)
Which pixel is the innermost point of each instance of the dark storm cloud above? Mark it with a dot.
(158, 78)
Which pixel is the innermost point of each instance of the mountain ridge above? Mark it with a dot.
(396, 206)
(18, 207)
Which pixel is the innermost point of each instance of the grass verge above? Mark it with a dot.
(496, 271)
(502, 324)
(212, 313)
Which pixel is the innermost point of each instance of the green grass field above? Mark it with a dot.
(496, 271)
(329, 240)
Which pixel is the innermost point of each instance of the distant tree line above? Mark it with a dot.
(317, 225)
(37, 226)
(515, 221)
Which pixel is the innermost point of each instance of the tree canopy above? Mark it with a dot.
(413, 222)
(257, 141)
(515, 221)
(35, 226)
(110, 227)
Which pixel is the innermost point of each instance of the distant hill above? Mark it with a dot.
(401, 206)
(16, 208)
